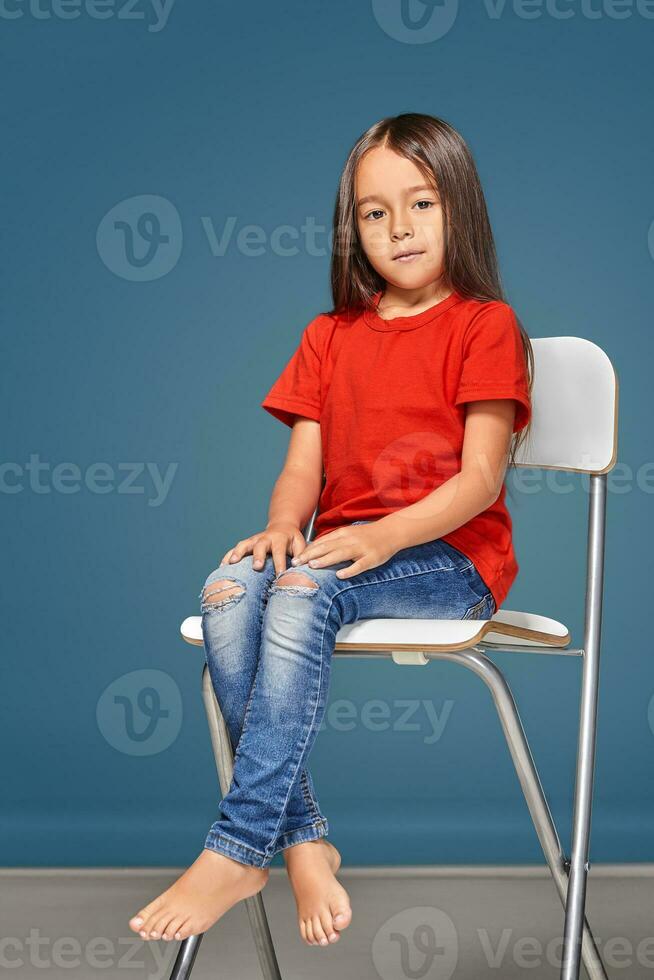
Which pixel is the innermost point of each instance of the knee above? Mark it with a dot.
(220, 593)
(296, 583)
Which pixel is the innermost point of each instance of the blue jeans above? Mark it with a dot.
(269, 647)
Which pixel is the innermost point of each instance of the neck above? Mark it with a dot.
(396, 301)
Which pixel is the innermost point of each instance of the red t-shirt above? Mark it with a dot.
(390, 398)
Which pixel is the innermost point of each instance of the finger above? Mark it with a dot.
(239, 549)
(313, 550)
(354, 569)
(259, 553)
(279, 558)
(316, 548)
(298, 544)
(331, 557)
(225, 557)
(233, 554)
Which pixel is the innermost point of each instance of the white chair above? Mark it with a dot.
(574, 429)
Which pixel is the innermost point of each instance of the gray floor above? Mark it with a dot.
(422, 923)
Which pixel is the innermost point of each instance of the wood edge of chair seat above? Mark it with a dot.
(522, 632)
(487, 626)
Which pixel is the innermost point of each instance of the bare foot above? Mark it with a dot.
(323, 905)
(199, 897)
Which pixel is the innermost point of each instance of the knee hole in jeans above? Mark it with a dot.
(295, 583)
(223, 592)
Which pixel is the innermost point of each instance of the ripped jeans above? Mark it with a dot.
(269, 646)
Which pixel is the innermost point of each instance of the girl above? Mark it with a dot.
(407, 394)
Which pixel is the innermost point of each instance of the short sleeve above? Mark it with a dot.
(297, 390)
(493, 361)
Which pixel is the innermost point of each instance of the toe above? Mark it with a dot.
(303, 930)
(319, 932)
(184, 930)
(327, 926)
(147, 927)
(309, 928)
(159, 924)
(342, 916)
(138, 921)
(150, 914)
(175, 923)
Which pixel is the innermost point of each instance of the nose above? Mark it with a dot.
(401, 231)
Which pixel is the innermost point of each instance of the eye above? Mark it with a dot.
(430, 204)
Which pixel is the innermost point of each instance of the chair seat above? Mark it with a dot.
(506, 627)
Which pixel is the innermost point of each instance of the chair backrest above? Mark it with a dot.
(574, 422)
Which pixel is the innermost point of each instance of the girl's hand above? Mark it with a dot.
(368, 545)
(278, 539)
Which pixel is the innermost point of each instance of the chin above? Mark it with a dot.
(409, 278)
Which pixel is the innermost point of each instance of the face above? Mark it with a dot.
(399, 211)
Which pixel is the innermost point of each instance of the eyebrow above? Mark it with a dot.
(409, 190)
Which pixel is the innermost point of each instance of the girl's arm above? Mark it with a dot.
(486, 442)
(293, 501)
(297, 490)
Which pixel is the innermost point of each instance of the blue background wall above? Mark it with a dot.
(123, 367)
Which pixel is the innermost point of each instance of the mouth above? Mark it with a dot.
(408, 256)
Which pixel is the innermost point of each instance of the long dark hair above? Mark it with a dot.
(470, 258)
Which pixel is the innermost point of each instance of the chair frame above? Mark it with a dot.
(570, 875)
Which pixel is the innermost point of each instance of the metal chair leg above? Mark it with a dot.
(186, 958)
(525, 767)
(576, 892)
(576, 895)
(222, 750)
